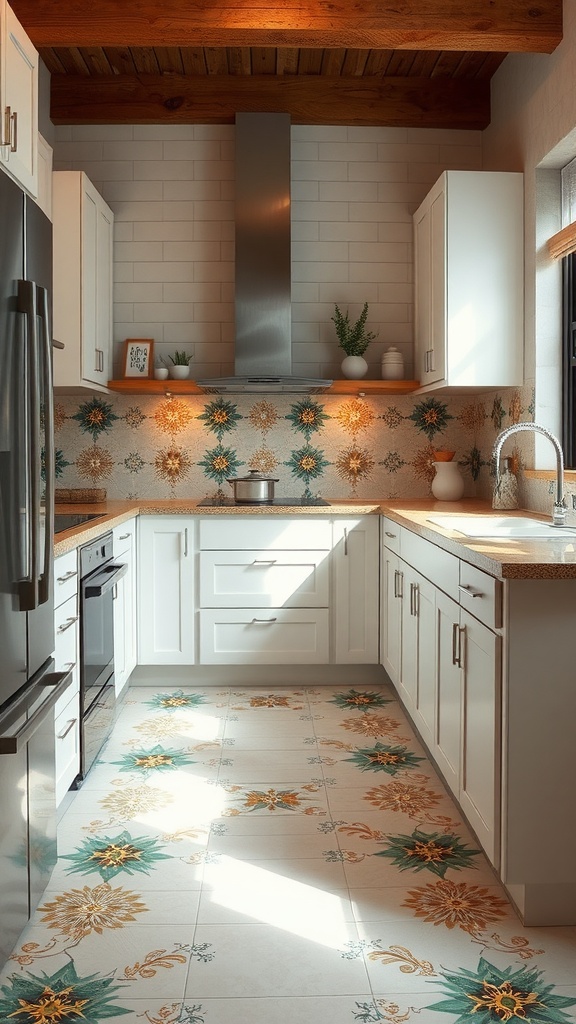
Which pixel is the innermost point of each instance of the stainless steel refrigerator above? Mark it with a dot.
(29, 686)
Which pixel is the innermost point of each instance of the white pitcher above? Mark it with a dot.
(448, 482)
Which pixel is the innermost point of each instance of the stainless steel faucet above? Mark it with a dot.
(559, 513)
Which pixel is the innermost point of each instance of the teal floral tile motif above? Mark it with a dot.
(384, 758)
(307, 463)
(273, 800)
(392, 462)
(157, 759)
(491, 995)
(60, 463)
(134, 417)
(219, 463)
(220, 417)
(307, 416)
(95, 417)
(392, 417)
(428, 851)
(361, 700)
(431, 417)
(498, 414)
(133, 462)
(175, 701)
(108, 856)
(473, 461)
(62, 996)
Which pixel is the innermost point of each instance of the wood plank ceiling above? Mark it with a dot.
(422, 63)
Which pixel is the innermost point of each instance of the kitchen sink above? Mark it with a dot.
(520, 527)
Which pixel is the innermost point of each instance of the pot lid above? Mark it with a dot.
(253, 474)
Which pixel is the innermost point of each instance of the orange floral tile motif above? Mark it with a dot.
(354, 464)
(264, 460)
(275, 800)
(95, 463)
(472, 416)
(81, 911)
(355, 416)
(456, 904)
(372, 725)
(263, 416)
(172, 464)
(59, 416)
(422, 463)
(172, 416)
(407, 798)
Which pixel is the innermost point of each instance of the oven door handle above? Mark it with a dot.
(56, 683)
(105, 580)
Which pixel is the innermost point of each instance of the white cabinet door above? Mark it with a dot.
(469, 281)
(67, 730)
(265, 579)
(166, 590)
(355, 597)
(82, 244)
(125, 605)
(479, 794)
(417, 685)
(391, 615)
(264, 636)
(19, 101)
(66, 658)
(446, 749)
(45, 159)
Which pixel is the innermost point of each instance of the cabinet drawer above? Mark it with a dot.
(65, 577)
(67, 734)
(251, 636)
(124, 537)
(264, 579)
(438, 566)
(391, 535)
(66, 645)
(481, 595)
(265, 533)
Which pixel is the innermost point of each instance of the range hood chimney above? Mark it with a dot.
(263, 350)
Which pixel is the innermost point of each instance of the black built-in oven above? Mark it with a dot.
(99, 575)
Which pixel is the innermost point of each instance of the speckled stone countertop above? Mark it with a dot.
(505, 558)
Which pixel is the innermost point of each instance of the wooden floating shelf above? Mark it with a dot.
(339, 387)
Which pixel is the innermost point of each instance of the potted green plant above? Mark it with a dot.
(354, 339)
(180, 368)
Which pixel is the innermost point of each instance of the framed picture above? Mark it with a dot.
(138, 360)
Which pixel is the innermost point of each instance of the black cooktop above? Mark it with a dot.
(276, 503)
(67, 522)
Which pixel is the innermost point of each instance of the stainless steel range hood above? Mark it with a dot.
(263, 350)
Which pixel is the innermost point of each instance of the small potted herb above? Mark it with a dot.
(180, 368)
(354, 339)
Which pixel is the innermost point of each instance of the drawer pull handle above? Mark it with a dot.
(69, 725)
(66, 625)
(265, 622)
(264, 561)
(70, 665)
(388, 534)
(124, 536)
(398, 583)
(470, 591)
(67, 576)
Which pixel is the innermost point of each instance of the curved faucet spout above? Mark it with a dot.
(559, 512)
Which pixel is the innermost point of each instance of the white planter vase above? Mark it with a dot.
(448, 483)
(179, 372)
(354, 367)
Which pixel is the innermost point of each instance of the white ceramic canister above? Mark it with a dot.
(392, 364)
(448, 482)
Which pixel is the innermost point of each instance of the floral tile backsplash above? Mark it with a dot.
(334, 446)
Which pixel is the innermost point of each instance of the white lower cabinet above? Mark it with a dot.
(355, 546)
(166, 590)
(446, 666)
(264, 636)
(66, 658)
(124, 546)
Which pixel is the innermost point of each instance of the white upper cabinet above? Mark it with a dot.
(18, 101)
(82, 233)
(469, 281)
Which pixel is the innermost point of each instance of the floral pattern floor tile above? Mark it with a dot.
(275, 855)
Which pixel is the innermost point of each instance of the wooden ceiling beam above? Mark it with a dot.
(500, 25)
(155, 99)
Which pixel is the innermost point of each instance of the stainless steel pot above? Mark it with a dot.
(253, 489)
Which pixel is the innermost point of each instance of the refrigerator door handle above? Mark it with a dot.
(45, 581)
(56, 683)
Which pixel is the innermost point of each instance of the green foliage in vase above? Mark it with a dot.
(353, 338)
(180, 358)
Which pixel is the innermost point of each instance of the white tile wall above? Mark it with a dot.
(353, 194)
